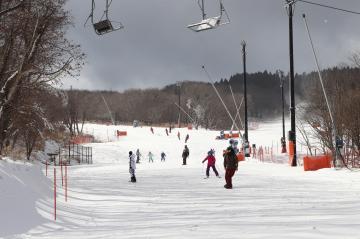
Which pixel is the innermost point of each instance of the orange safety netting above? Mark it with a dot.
(121, 133)
(312, 163)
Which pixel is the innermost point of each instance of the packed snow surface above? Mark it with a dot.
(169, 200)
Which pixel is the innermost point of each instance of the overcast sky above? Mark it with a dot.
(155, 48)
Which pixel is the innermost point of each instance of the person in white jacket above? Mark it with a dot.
(132, 167)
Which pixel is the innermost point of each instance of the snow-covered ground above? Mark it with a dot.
(175, 201)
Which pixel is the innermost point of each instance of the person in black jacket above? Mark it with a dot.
(230, 165)
(185, 154)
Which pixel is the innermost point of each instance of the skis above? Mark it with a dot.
(208, 177)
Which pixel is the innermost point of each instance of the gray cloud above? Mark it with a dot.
(156, 48)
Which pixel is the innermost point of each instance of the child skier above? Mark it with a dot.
(211, 163)
(163, 155)
(150, 155)
(185, 154)
(186, 138)
(138, 155)
(132, 167)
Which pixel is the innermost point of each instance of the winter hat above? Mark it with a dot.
(130, 152)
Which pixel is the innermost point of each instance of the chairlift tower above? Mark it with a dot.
(283, 141)
(246, 136)
(290, 10)
(212, 22)
(292, 132)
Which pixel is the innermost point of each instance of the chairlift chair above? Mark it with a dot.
(212, 22)
(104, 25)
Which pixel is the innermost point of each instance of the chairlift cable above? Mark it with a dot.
(331, 7)
(216, 91)
(185, 112)
(236, 106)
(337, 151)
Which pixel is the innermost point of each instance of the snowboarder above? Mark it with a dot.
(152, 130)
(138, 155)
(185, 154)
(178, 135)
(211, 163)
(167, 132)
(163, 155)
(186, 138)
(230, 165)
(132, 167)
(150, 155)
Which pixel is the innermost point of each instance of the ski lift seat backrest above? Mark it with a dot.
(103, 27)
(210, 23)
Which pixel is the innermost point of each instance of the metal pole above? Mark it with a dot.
(179, 103)
(334, 133)
(292, 133)
(283, 108)
(283, 142)
(243, 43)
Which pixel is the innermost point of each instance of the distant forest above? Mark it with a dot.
(199, 100)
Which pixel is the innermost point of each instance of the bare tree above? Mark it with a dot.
(35, 53)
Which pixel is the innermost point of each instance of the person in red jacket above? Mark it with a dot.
(211, 163)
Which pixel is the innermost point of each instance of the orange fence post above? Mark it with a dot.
(291, 152)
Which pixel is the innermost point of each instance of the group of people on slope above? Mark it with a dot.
(230, 163)
(150, 156)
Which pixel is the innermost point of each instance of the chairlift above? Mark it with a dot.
(104, 25)
(212, 22)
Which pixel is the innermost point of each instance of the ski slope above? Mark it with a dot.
(174, 201)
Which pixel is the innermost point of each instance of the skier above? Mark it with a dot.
(167, 132)
(152, 130)
(170, 129)
(211, 163)
(186, 138)
(150, 155)
(132, 167)
(178, 135)
(163, 155)
(138, 155)
(230, 165)
(185, 154)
